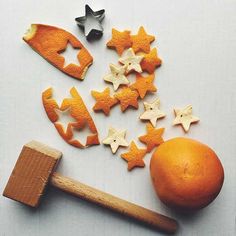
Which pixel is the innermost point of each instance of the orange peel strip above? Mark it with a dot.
(78, 111)
(49, 41)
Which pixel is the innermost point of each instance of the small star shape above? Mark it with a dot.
(153, 138)
(131, 61)
(91, 23)
(134, 157)
(141, 41)
(117, 76)
(127, 97)
(184, 117)
(152, 112)
(104, 101)
(151, 61)
(120, 41)
(144, 85)
(115, 139)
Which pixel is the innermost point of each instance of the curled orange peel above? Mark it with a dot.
(50, 41)
(78, 111)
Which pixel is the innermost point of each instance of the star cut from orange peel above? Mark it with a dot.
(104, 102)
(115, 139)
(151, 61)
(153, 138)
(141, 41)
(144, 85)
(117, 76)
(134, 157)
(131, 61)
(185, 117)
(78, 112)
(127, 97)
(120, 41)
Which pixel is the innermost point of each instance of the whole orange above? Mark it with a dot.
(186, 174)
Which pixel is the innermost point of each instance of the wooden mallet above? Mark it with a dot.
(34, 169)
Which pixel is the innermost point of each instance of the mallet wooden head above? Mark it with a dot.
(31, 173)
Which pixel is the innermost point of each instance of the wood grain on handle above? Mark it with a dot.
(108, 201)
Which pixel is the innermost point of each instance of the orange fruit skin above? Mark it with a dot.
(186, 174)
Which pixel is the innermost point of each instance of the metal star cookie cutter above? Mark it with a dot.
(94, 31)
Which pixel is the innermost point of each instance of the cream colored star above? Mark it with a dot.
(131, 61)
(184, 117)
(115, 138)
(117, 76)
(152, 112)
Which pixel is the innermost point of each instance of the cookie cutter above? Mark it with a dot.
(91, 33)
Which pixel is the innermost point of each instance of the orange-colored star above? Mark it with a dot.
(120, 41)
(153, 138)
(144, 85)
(141, 41)
(127, 97)
(134, 157)
(151, 61)
(104, 101)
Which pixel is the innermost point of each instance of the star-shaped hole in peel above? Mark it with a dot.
(64, 118)
(70, 55)
(80, 135)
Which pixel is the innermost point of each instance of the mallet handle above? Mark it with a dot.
(113, 203)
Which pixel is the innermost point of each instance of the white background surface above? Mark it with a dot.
(197, 42)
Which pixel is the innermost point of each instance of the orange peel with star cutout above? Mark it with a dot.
(50, 41)
(78, 112)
